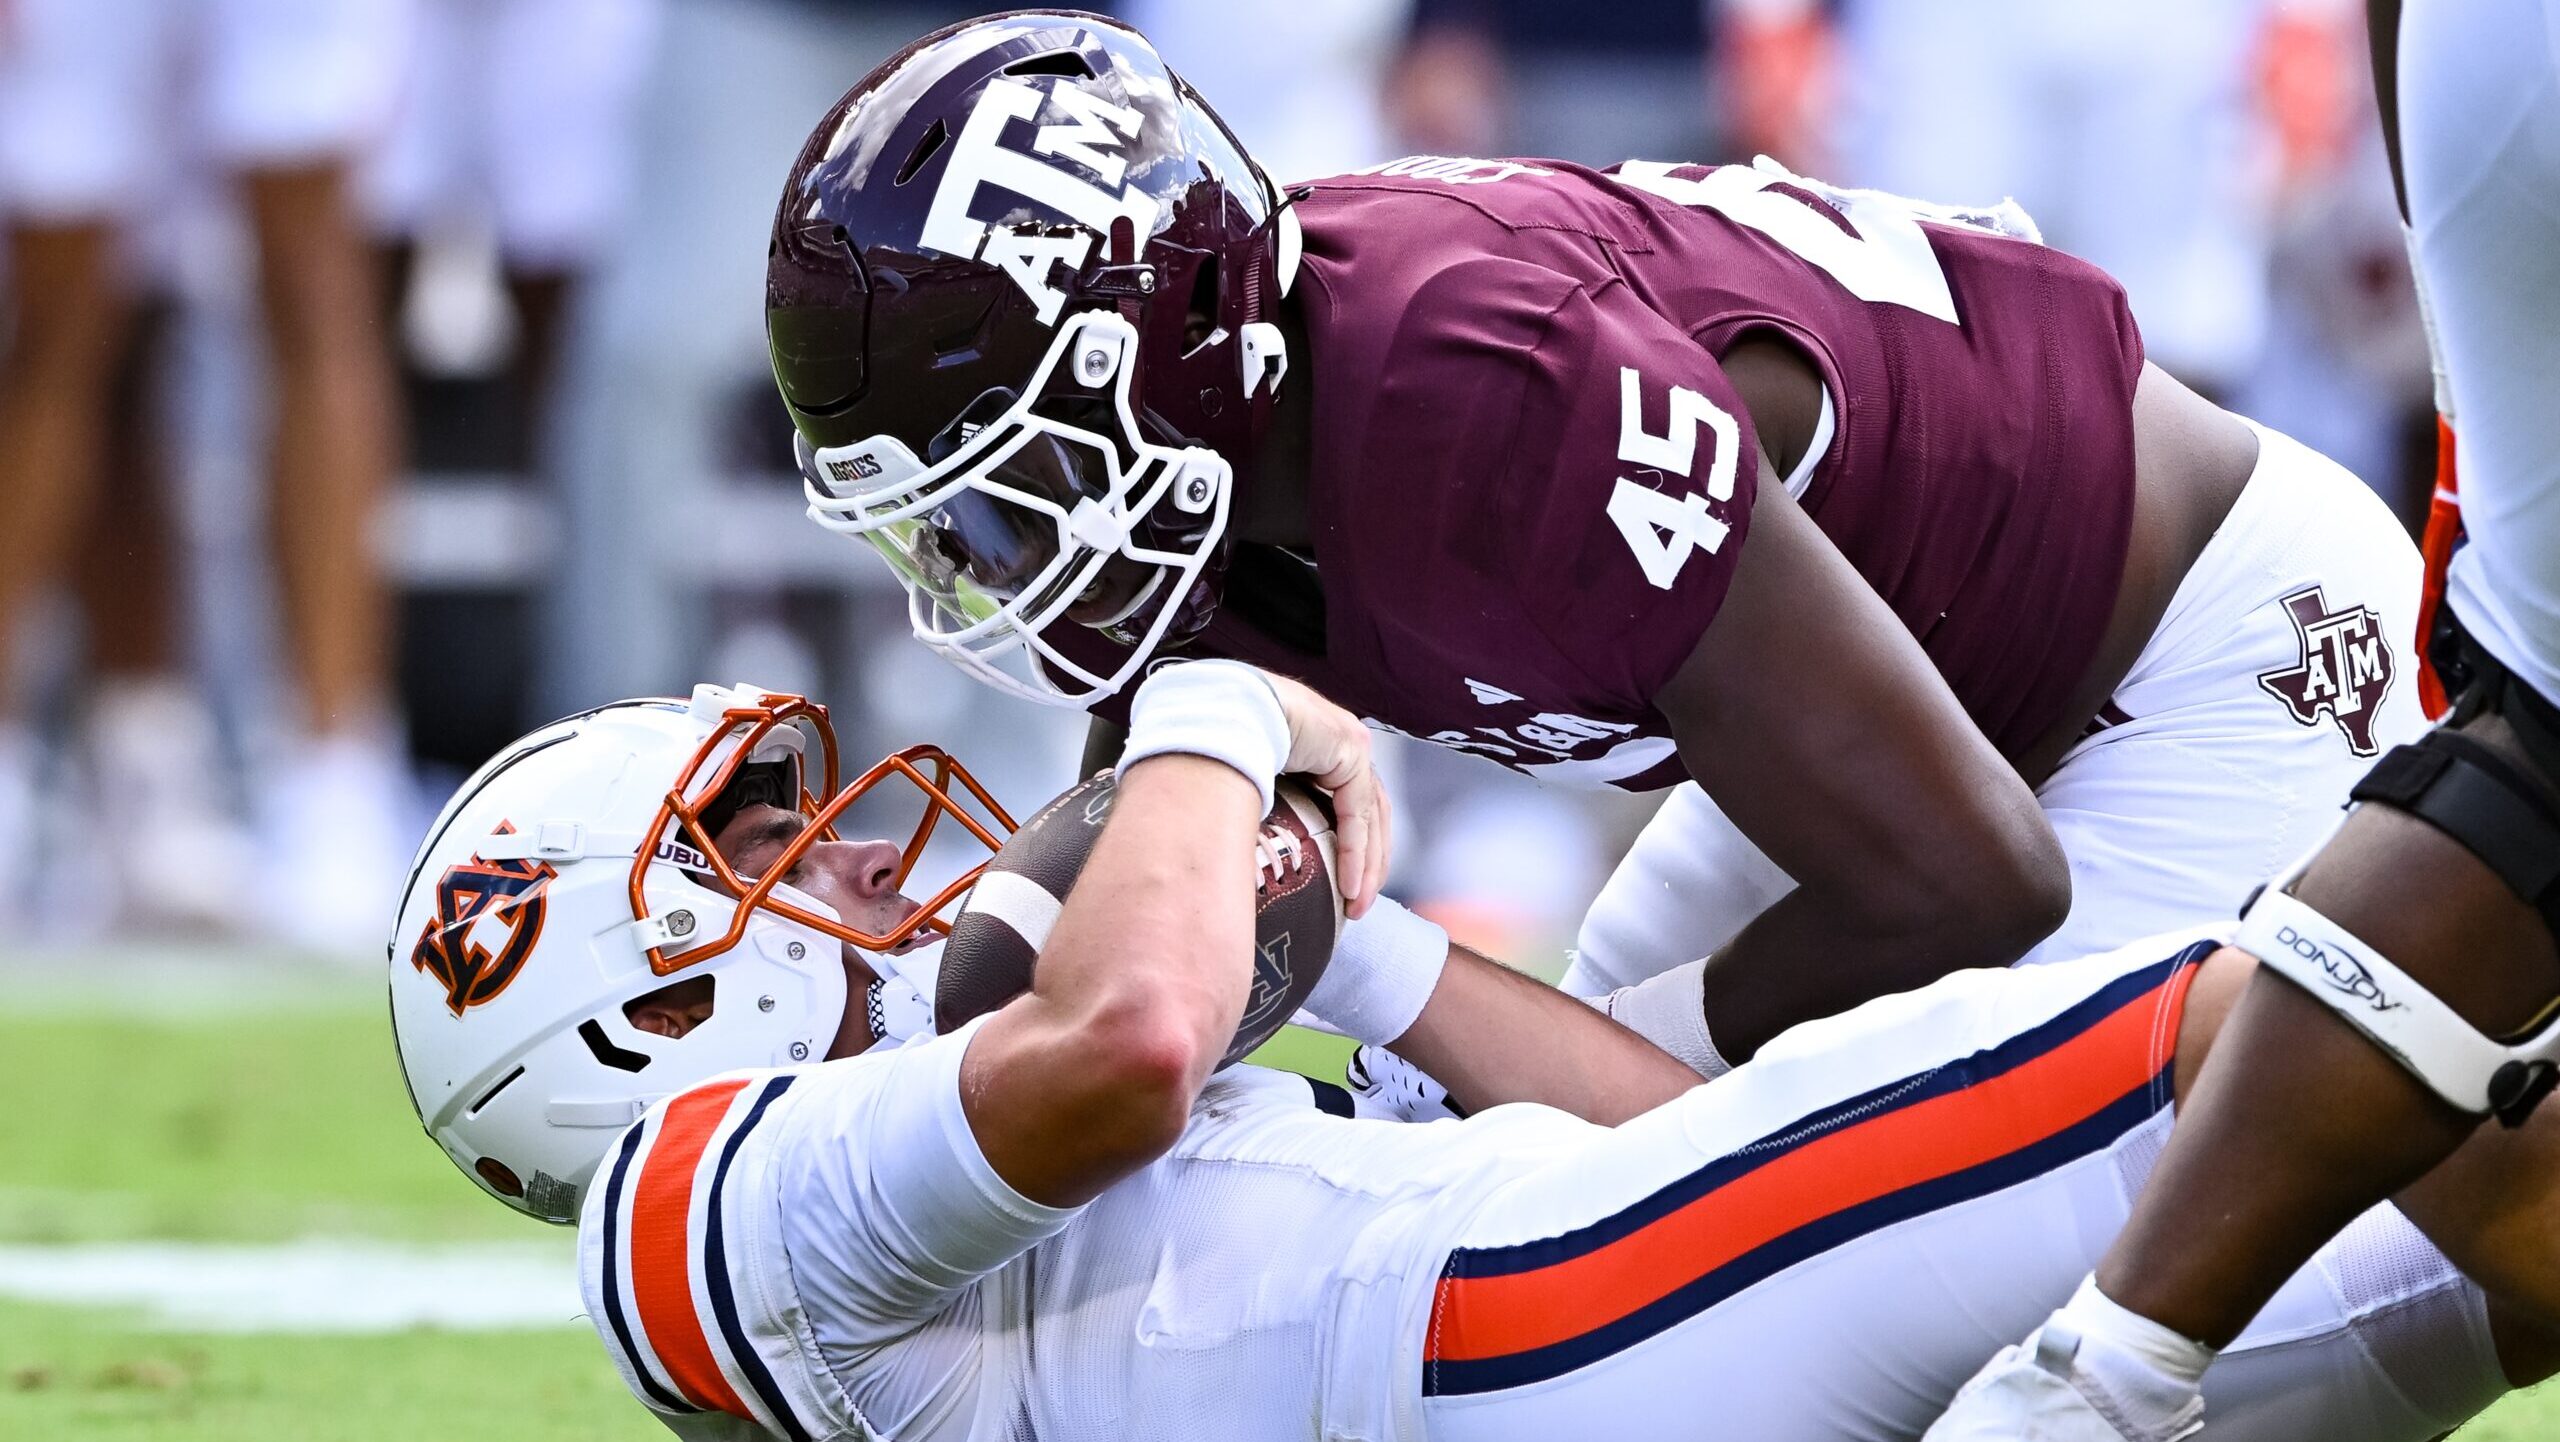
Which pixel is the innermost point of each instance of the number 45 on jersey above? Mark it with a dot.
(1663, 529)
(1882, 257)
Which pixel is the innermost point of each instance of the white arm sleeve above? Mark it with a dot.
(910, 1211)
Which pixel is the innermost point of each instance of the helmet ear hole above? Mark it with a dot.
(676, 1008)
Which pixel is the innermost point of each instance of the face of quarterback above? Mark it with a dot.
(857, 879)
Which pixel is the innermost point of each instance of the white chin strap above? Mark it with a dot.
(900, 1003)
(896, 1012)
(2477, 1073)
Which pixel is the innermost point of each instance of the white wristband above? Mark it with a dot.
(1223, 710)
(1670, 1011)
(1384, 969)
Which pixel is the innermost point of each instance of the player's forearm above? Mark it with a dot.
(1091, 1075)
(1159, 920)
(1829, 739)
(1811, 955)
(1491, 1035)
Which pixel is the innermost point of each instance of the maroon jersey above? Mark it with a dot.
(1531, 481)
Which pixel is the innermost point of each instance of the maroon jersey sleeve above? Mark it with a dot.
(1627, 492)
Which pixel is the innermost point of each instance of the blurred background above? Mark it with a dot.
(382, 378)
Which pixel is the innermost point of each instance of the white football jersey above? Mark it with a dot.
(1819, 1247)
(824, 1252)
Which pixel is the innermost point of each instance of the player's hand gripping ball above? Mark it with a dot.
(997, 936)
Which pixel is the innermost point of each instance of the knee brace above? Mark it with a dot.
(2506, 816)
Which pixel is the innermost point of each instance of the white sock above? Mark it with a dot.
(2149, 1375)
(1670, 1011)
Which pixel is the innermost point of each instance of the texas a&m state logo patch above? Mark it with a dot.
(2345, 671)
(478, 902)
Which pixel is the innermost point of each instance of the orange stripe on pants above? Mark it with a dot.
(662, 1247)
(2444, 528)
(1501, 1315)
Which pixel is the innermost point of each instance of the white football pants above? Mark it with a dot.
(2280, 670)
(2480, 151)
(1825, 1243)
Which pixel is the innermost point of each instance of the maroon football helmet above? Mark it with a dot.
(1019, 299)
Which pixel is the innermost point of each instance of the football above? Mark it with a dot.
(998, 934)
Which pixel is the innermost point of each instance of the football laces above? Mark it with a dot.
(1276, 856)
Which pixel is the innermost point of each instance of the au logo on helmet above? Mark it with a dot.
(471, 897)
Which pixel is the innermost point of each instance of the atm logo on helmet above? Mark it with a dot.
(1088, 132)
(471, 899)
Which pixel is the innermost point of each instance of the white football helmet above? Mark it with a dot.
(576, 873)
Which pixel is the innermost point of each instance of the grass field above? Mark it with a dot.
(262, 1106)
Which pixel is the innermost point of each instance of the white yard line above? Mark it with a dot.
(305, 1286)
(184, 981)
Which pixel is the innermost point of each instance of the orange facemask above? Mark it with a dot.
(743, 732)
